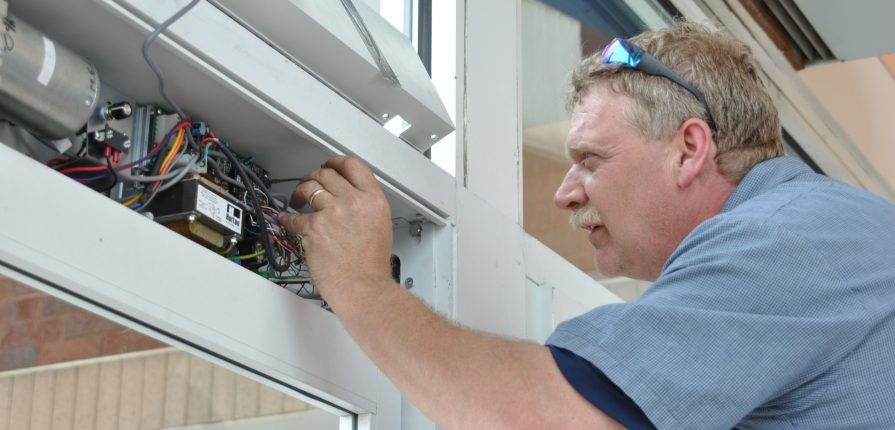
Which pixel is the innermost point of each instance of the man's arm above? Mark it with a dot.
(459, 378)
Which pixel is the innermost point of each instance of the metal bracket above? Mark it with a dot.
(367, 37)
(416, 229)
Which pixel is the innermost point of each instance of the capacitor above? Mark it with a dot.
(117, 111)
(47, 88)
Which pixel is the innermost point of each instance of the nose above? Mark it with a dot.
(570, 194)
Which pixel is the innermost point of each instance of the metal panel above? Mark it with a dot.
(491, 97)
(490, 292)
(546, 268)
(138, 273)
(322, 37)
(853, 29)
(262, 102)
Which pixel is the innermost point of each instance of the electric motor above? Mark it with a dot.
(44, 86)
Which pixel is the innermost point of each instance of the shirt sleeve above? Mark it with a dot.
(594, 386)
(742, 313)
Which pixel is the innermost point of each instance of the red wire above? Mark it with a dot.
(108, 152)
(83, 169)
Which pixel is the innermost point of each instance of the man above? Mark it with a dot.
(774, 287)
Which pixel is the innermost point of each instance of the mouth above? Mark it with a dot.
(592, 227)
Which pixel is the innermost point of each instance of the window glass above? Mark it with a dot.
(62, 367)
(405, 16)
(556, 35)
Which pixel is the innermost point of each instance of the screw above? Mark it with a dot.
(386, 115)
(416, 228)
(88, 101)
(191, 219)
(408, 283)
(434, 137)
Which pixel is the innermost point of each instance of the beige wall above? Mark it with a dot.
(156, 389)
(860, 94)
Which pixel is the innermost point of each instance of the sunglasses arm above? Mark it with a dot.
(650, 65)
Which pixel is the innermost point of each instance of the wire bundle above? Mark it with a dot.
(178, 154)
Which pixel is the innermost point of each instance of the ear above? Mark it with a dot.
(696, 150)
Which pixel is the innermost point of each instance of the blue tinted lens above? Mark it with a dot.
(621, 53)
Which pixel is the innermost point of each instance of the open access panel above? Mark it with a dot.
(188, 268)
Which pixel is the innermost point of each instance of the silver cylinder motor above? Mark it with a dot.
(44, 86)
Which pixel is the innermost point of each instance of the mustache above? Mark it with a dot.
(584, 216)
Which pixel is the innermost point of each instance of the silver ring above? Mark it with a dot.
(313, 195)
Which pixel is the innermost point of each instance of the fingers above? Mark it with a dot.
(338, 176)
(330, 179)
(306, 190)
(354, 170)
(295, 223)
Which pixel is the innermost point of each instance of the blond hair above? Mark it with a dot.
(721, 67)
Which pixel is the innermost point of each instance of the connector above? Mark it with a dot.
(199, 129)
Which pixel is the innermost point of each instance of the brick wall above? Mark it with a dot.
(37, 329)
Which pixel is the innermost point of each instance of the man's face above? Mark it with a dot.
(628, 181)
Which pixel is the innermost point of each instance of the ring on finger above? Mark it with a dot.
(313, 196)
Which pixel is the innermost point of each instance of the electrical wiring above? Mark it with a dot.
(140, 178)
(166, 162)
(155, 69)
(133, 199)
(175, 148)
(228, 248)
(186, 169)
(189, 167)
(259, 214)
(71, 170)
(111, 168)
(151, 154)
(255, 179)
(277, 181)
(208, 142)
(223, 175)
(246, 176)
(248, 256)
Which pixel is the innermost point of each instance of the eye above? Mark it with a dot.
(587, 159)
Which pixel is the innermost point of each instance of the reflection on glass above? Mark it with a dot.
(64, 368)
(556, 35)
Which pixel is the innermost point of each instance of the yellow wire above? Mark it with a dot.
(177, 141)
(227, 249)
(133, 199)
(248, 256)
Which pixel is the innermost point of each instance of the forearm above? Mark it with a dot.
(457, 377)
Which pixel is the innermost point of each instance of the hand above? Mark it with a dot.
(347, 239)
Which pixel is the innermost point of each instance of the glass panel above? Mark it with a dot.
(62, 367)
(556, 35)
(404, 16)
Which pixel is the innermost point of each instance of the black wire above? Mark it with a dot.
(259, 214)
(67, 164)
(114, 175)
(277, 181)
(264, 190)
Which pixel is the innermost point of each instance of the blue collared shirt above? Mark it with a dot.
(777, 313)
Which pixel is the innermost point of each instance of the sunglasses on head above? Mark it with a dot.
(622, 53)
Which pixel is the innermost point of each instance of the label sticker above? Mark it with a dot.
(49, 65)
(210, 204)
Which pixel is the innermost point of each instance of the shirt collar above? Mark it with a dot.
(764, 176)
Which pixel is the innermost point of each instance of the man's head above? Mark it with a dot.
(644, 157)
